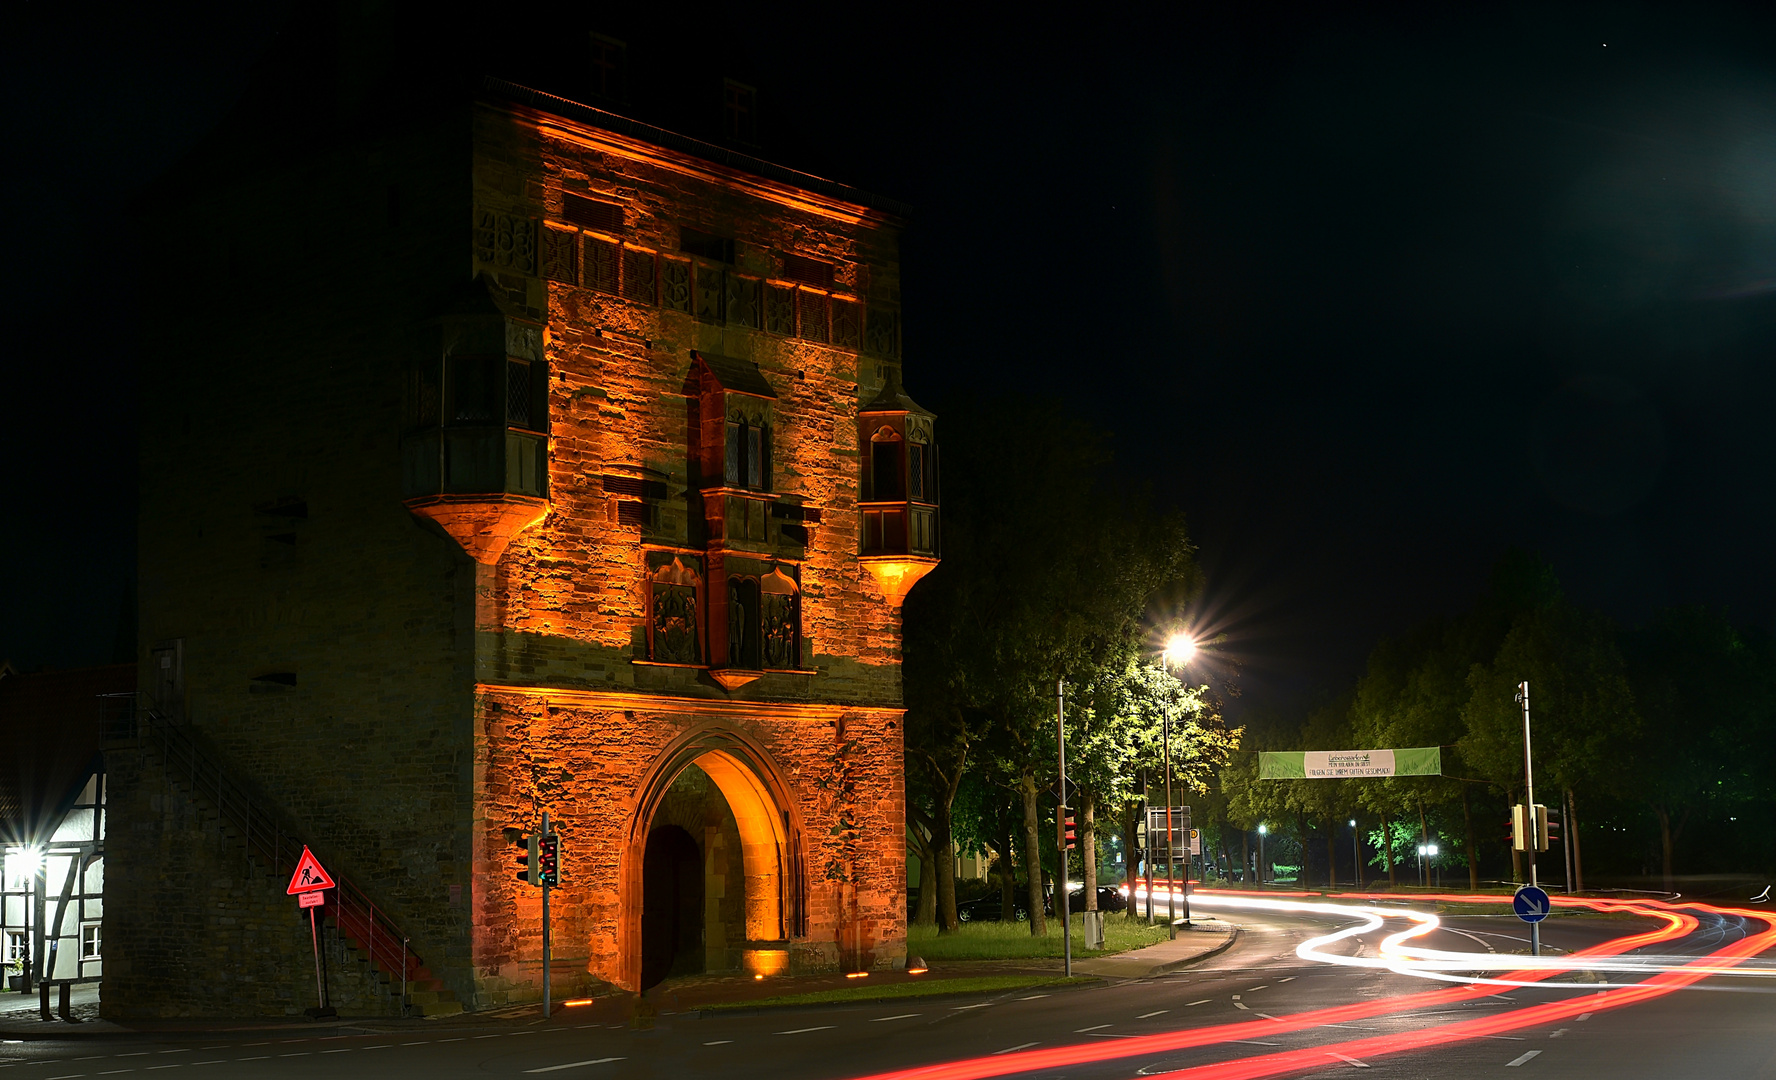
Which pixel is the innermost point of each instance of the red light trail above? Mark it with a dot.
(1677, 923)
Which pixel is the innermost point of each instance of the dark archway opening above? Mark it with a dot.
(671, 906)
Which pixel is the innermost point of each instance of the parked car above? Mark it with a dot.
(988, 908)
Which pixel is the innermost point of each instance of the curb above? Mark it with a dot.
(1174, 965)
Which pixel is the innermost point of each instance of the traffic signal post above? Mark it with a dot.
(540, 866)
(1064, 825)
(1537, 827)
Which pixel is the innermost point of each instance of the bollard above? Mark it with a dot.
(43, 1000)
(64, 1005)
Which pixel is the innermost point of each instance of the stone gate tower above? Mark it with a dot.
(517, 456)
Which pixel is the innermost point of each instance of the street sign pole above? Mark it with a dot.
(1061, 829)
(1529, 798)
(546, 942)
(309, 884)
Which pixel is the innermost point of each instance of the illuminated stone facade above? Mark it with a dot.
(597, 495)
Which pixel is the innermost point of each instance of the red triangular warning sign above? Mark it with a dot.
(309, 876)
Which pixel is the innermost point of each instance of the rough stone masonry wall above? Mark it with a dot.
(569, 597)
(206, 932)
(286, 291)
(588, 765)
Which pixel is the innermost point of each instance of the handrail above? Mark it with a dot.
(264, 832)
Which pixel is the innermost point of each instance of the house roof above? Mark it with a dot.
(49, 744)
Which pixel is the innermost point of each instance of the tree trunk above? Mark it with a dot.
(1033, 853)
(1007, 874)
(1331, 855)
(1665, 842)
(1468, 842)
(1424, 837)
(1387, 849)
(1128, 857)
(1245, 859)
(1572, 832)
(1088, 847)
(943, 841)
(927, 901)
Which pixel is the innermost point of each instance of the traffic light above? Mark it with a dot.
(1071, 833)
(548, 860)
(1541, 820)
(1521, 827)
(527, 866)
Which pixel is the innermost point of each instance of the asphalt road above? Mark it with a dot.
(1726, 1027)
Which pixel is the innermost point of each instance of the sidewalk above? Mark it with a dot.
(1205, 937)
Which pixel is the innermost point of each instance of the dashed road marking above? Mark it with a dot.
(1240, 1005)
(1156, 1012)
(1204, 1001)
(804, 1031)
(1254, 989)
(1583, 1016)
(572, 1065)
(1094, 1027)
(1514, 1062)
(1032, 997)
(902, 1016)
(1019, 1046)
(1558, 1033)
(1347, 1060)
(719, 1042)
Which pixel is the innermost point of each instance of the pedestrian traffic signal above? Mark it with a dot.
(527, 865)
(548, 860)
(1071, 834)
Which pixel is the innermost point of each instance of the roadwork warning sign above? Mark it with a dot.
(309, 876)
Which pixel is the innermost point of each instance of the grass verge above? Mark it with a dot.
(1012, 941)
(984, 984)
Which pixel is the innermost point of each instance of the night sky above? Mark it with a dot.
(1370, 297)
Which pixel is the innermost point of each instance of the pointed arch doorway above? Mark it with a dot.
(713, 877)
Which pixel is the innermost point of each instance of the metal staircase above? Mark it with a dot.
(255, 822)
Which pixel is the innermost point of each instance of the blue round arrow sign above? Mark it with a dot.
(1531, 904)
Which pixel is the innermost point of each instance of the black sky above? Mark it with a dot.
(1371, 296)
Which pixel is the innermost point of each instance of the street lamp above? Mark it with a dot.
(1179, 650)
(1356, 856)
(1262, 830)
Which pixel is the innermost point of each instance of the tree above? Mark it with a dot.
(1047, 573)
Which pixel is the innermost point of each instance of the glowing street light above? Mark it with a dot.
(1180, 649)
(1263, 829)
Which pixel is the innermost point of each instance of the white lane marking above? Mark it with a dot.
(1583, 1016)
(804, 1031)
(1094, 1027)
(338, 1050)
(1204, 1001)
(1289, 979)
(572, 1065)
(982, 1005)
(1347, 1060)
(495, 1035)
(224, 1046)
(186, 1050)
(1266, 986)
(299, 1053)
(260, 1057)
(1255, 1042)
(1558, 1033)
(174, 1065)
(902, 1016)
(1513, 1038)
(1009, 1049)
(133, 1053)
(458, 1038)
(217, 1061)
(67, 1076)
(265, 1043)
(1236, 997)
(1240, 1005)
(719, 1042)
(1514, 1062)
(114, 1072)
(1156, 1012)
(1032, 997)
(421, 1042)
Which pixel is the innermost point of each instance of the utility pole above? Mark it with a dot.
(1060, 828)
(1529, 798)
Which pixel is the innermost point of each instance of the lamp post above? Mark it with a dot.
(1262, 829)
(1178, 650)
(1356, 856)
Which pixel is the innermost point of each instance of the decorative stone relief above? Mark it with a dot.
(558, 255)
(744, 308)
(708, 297)
(602, 258)
(638, 275)
(675, 285)
(812, 307)
(880, 333)
(847, 324)
(780, 310)
(506, 240)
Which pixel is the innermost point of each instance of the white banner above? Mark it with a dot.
(1344, 764)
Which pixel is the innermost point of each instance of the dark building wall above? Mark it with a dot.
(288, 283)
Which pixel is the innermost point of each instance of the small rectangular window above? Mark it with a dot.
(885, 478)
(916, 472)
(593, 214)
(518, 394)
(731, 460)
(473, 391)
(610, 69)
(806, 271)
(755, 461)
(15, 945)
(89, 941)
(639, 276)
(740, 103)
(706, 245)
